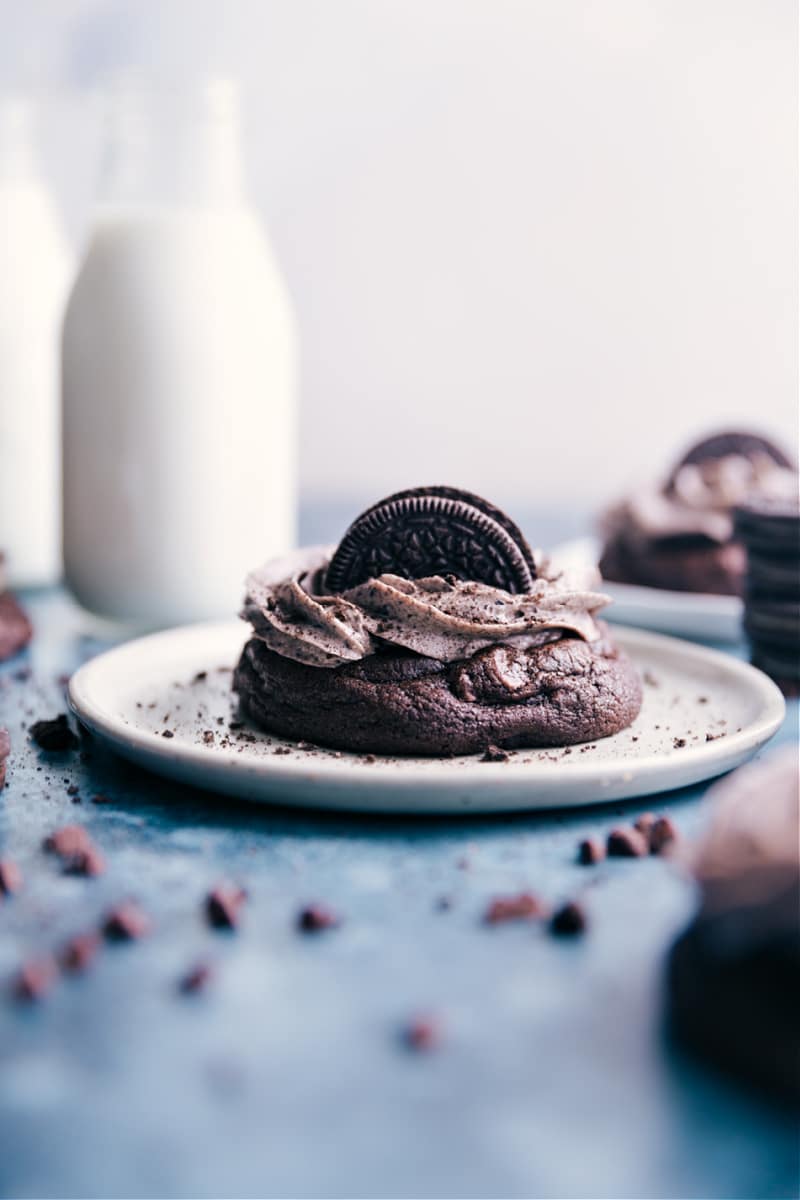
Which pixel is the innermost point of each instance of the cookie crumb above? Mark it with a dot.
(568, 920)
(494, 753)
(53, 735)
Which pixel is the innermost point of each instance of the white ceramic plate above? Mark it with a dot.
(688, 614)
(703, 713)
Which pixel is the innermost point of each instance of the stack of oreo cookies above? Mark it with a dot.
(771, 534)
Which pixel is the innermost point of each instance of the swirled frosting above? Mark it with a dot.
(445, 619)
(702, 498)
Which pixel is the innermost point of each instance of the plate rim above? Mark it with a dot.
(425, 771)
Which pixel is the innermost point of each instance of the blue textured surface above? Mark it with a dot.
(287, 1078)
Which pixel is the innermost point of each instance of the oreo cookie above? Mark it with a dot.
(721, 445)
(770, 531)
(771, 528)
(433, 531)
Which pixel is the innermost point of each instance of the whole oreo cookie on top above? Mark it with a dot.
(433, 531)
(724, 445)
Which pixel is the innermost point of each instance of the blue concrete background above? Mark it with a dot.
(287, 1078)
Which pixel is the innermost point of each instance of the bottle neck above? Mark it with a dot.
(175, 148)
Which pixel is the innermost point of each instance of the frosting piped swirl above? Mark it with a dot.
(701, 498)
(437, 617)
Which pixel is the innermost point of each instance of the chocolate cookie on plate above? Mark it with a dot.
(431, 630)
(679, 535)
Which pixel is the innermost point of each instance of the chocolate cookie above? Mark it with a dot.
(15, 628)
(433, 531)
(556, 694)
(677, 564)
(734, 974)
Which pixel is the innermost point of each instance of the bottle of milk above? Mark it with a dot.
(178, 372)
(35, 272)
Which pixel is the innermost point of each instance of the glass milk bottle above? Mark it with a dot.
(35, 272)
(178, 373)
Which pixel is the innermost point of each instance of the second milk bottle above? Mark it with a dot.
(178, 372)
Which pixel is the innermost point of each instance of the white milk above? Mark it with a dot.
(179, 390)
(35, 271)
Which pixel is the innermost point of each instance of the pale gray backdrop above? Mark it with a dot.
(533, 244)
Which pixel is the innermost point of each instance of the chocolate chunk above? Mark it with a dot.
(88, 861)
(168, 734)
(223, 904)
(126, 923)
(316, 917)
(523, 907)
(495, 754)
(433, 531)
(569, 919)
(627, 843)
(67, 841)
(53, 735)
(36, 978)
(196, 979)
(590, 851)
(422, 1033)
(10, 877)
(662, 834)
(79, 952)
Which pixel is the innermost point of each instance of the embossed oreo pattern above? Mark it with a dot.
(418, 535)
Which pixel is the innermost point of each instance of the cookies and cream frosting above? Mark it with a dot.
(702, 496)
(441, 618)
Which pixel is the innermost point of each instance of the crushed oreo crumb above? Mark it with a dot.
(53, 735)
(569, 919)
(494, 753)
